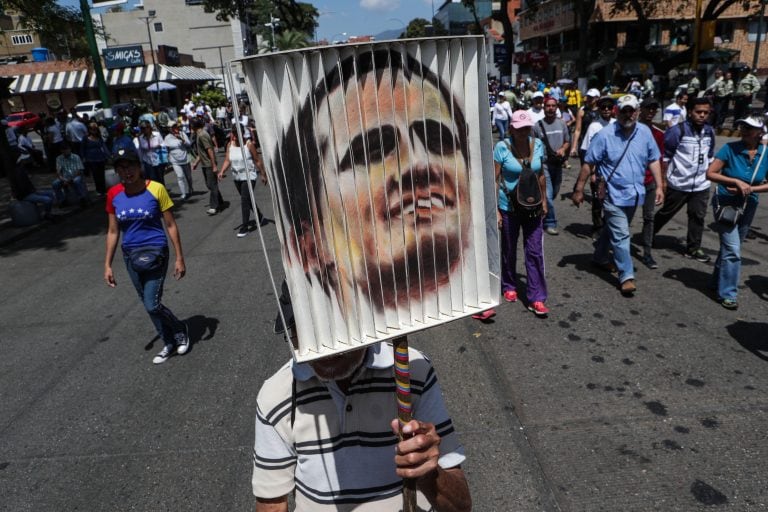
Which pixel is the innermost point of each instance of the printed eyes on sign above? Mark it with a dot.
(381, 143)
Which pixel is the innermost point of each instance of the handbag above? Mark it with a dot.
(147, 258)
(729, 215)
(601, 182)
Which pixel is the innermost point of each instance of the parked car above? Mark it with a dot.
(26, 119)
(93, 108)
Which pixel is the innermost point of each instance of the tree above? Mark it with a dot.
(255, 14)
(419, 27)
(60, 28)
(474, 28)
(291, 40)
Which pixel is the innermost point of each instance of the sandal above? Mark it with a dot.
(485, 315)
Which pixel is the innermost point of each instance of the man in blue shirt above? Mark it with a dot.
(620, 153)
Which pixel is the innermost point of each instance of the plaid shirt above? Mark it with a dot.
(70, 166)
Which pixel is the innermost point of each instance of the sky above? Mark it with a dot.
(357, 17)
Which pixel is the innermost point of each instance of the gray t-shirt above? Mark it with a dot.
(556, 133)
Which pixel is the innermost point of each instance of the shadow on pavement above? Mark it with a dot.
(201, 328)
(579, 230)
(758, 285)
(583, 263)
(54, 236)
(691, 278)
(751, 336)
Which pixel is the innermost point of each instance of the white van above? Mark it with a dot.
(92, 108)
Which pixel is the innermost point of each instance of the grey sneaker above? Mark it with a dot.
(182, 340)
(699, 255)
(163, 355)
(649, 262)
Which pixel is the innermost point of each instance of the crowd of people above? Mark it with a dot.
(632, 158)
(76, 148)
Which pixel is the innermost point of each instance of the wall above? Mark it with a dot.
(187, 27)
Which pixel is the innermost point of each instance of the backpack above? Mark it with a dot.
(525, 199)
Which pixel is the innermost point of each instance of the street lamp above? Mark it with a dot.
(272, 23)
(151, 15)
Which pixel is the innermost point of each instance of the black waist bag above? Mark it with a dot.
(148, 258)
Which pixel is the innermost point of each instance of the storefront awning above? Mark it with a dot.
(45, 82)
(189, 73)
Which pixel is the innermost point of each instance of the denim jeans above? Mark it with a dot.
(78, 182)
(149, 286)
(615, 235)
(696, 202)
(727, 273)
(44, 197)
(501, 126)
(554, 176)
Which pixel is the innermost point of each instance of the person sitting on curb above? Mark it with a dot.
(22, 188)
(69, 169)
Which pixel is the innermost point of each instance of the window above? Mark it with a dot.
(158, 27)
(752, 32)
(724, 30)
(21, 39)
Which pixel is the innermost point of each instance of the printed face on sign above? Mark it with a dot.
(396, 180)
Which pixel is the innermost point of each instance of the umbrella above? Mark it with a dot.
(161, 86)
(564, 81)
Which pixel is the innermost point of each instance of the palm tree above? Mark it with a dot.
(291, 40)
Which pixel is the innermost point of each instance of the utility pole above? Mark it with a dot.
(97, 70)
(760, 32)
(696, 38)
(272, 22)
(155, 76)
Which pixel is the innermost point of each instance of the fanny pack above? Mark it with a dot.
(147, 258)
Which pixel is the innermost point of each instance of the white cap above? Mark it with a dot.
(628, 100)
(593, 93)
(751, 121)
(538, 94)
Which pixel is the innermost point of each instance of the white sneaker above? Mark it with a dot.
(163, 355)
(182, 340)
(211, 211)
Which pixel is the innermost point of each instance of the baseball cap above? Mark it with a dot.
(649, 103)
(128, 154)
(628, 100)
(593, 93)
(751, 121)
(521, 119)
(537, 94)
(284, 302)
(606, 99)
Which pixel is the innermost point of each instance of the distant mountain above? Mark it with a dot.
(389, 34)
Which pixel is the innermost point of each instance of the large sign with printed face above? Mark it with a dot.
(379, 161)
(123, 57)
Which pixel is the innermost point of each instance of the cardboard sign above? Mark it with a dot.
(379, 158)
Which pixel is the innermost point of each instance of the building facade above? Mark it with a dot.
(177, 23)
(619, 45)
(16, 42)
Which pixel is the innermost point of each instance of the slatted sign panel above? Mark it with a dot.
(379, 161)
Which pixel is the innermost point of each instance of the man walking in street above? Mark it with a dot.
(675, 112)
(688, 150)
(554, 133)
(648, 109)
(722, 90)
(206, 157)
(537, 106)
(745, 93)
(324, 429)
(619, 154)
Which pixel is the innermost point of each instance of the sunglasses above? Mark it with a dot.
(606, 107)
(628, 111)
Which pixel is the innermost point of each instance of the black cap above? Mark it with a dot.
(650, 102)
(606, 99)
(129, 154)
(286, 307)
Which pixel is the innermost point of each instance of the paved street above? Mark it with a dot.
(656, 402)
